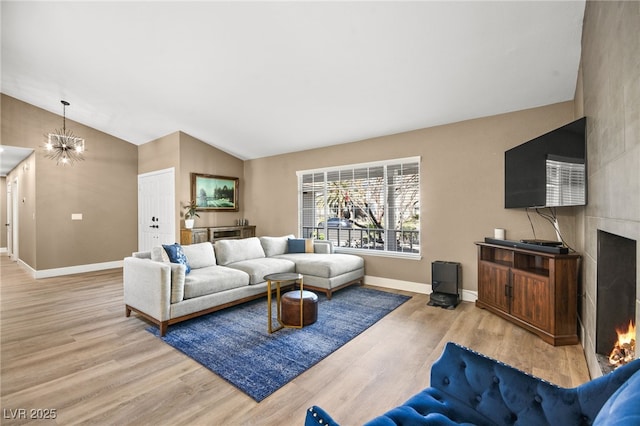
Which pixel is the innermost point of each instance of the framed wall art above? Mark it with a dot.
(214, 193)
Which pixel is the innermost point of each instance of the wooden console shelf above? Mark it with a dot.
(201, 235)
(536, 290)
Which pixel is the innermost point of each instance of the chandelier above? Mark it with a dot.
(62, 145)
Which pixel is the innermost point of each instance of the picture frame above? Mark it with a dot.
(214, 193)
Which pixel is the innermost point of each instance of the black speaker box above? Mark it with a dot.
(446, 283)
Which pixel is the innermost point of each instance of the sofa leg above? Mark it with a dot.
(329, 294)
(127, 311)
(163, 327)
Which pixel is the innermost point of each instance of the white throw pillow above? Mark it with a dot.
(159, 254)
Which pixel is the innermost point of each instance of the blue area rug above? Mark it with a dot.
(234, 343)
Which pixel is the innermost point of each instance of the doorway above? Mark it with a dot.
(156, 209)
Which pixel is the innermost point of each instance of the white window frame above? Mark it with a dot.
(386, 252)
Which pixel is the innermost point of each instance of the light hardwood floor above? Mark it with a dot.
(66, 345)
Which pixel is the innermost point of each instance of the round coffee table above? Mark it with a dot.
(279, 279)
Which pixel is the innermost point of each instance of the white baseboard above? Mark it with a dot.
(70, 270)
(3, 250)
(467, 295)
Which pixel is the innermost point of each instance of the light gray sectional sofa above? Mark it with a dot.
(228, 273)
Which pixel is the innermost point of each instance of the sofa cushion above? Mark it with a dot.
(258, 268)
(229, 251)
(213, 279)
(324, 265)
(200, 255)
(176, 255)
(300, 245)
(274, 246)
(159, 254)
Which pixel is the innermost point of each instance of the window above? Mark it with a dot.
(372, 207)
(565, 181)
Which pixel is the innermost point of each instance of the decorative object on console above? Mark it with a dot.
(472, 389)
(215, 193)
(62, 145)
(191, 212)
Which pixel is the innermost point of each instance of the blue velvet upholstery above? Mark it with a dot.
(468, 388)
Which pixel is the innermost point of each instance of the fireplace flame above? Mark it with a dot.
(624, 350)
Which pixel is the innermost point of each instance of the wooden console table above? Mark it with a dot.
(537, 291)
(214, 233)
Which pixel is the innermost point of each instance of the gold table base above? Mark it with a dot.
(278, 279)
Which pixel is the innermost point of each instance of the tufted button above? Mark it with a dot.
(463, 365)
(446, 381)
(478, 398)
(496, 379)
(537, 399)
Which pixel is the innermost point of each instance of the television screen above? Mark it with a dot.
(548, 171)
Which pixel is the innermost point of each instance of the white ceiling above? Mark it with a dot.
(263, 78)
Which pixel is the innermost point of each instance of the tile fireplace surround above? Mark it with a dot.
(588, 323)
(609, 96)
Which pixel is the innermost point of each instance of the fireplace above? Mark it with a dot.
(616, 292)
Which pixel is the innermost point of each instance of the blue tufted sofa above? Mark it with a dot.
(468, 388)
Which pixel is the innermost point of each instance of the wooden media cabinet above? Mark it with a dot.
(536, 290)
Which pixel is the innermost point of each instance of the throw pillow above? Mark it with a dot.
(159, 254)
(176, 255)
(300, 245)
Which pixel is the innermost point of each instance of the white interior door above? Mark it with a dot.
(9, 228)
(156, 209)
(15, 203)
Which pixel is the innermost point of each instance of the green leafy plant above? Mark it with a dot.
(191, 210)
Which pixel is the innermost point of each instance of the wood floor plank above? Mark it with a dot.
(66, 344)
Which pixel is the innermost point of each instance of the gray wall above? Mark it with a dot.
(610, 96)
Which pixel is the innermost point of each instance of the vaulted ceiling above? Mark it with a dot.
(263, 78)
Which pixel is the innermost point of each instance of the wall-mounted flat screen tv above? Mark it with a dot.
(548, 171)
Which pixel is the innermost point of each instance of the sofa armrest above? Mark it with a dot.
(147, 287)
(321, 246)
(141, 254)
(316, 416)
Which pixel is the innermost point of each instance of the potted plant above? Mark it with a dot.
(191, 212)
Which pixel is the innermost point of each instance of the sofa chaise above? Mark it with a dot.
(468, 388)
(229, 272)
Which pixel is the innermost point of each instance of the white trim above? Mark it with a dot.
(3, 250)
(158, 172)
(467, 295)
(415, 159)
(378, 253)
(398, 284)
(70, 270)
